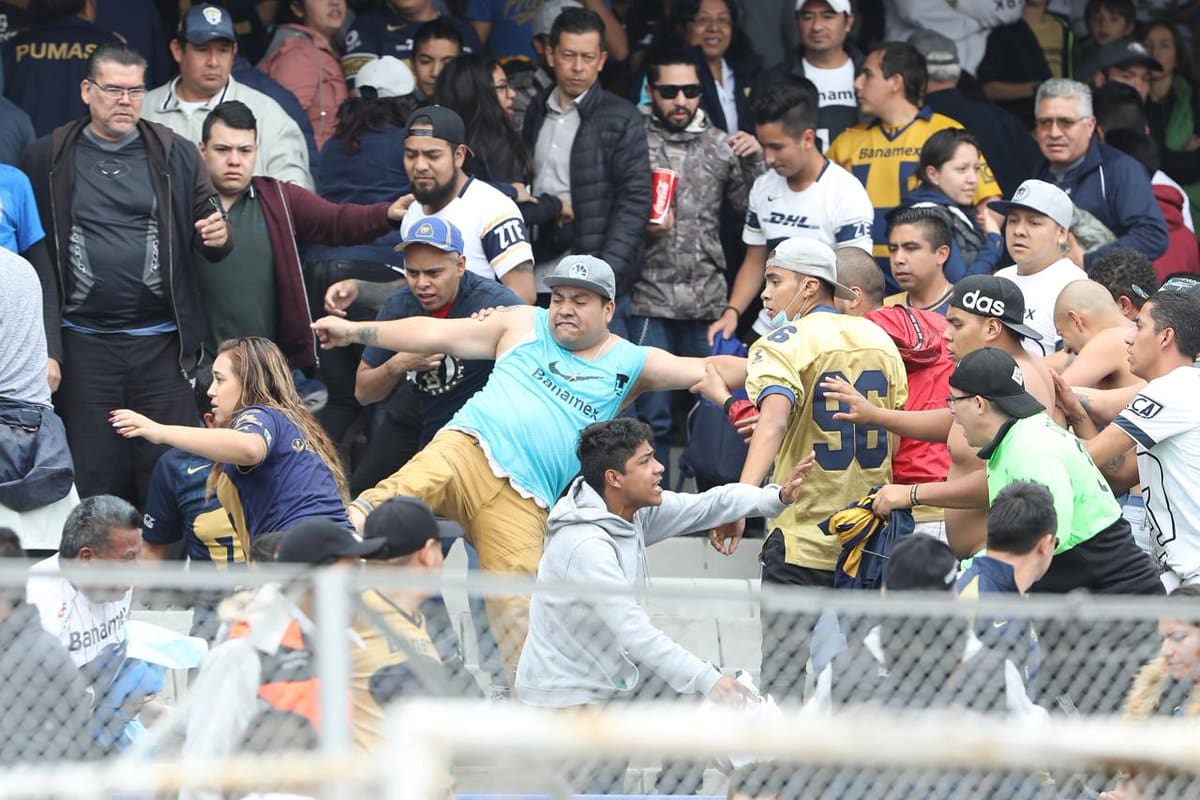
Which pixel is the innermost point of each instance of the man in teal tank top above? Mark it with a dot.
(505, 457)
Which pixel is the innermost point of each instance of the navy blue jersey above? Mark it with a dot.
(1014, 638)
(442, 391)
(383, 32)
(290, 485)
(177, 508)
(44, 66)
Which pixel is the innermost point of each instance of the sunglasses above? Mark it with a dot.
(668, 90)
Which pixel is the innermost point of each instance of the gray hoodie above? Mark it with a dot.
(588, 650)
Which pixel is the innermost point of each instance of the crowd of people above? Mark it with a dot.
(320, 282)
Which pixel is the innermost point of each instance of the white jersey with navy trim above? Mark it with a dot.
(493, 231)
(1162, 421)
(86, 628)
(835, 210)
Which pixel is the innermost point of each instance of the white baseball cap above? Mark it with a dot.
(840, 6)
(811, 258)
(1042, 197)
(387, 75)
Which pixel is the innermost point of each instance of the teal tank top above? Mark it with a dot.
(528, 416)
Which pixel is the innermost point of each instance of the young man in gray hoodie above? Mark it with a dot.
(591, 650)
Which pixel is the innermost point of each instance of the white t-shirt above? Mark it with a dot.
(1041, 291)
(1162, 422)
(493, 231)
(835, 87)
(84, 627)
(834, 210)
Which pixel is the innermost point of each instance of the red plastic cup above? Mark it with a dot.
(662, 194)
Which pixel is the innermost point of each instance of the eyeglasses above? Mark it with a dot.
(1062, 123)
(669, 90)
(713, 22)
(503, 87)
(117, 92)
(951, 400)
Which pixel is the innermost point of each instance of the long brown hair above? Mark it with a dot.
(267, 381)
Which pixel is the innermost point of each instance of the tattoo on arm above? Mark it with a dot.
(1085, 400)
(1115, 463)
(368, 335)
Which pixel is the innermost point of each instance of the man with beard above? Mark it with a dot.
(493, 232)
(682, 286)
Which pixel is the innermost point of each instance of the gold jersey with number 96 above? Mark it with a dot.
(850, 459)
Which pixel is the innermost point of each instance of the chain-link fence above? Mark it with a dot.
(164, 682)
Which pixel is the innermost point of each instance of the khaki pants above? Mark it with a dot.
(452, 476)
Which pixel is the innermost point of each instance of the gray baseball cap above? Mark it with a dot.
(1042, 197)
(939, 50)
(549, 12)
(585, 272)
(812, 258)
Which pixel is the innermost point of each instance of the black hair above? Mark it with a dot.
(440, 28)
(1122, 8)
(931, 221)
(609, 445)
(499, 153)
(1020, 517)
(10, 544)
(1138, 145)
(117, 53)
(359, 115)
(265, 546)
(672, 57)
(90, 522)
(1118, 106)
(1182, 52)
(901, 58)
(1187, 591)
(794, 105)
(50, 10)
(940, 148)
(577, 21)
(1125, 272)
(684, 11)
(232, 114)
(1179, 311)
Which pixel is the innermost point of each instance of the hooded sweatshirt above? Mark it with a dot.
(918, 337)
(583, 650)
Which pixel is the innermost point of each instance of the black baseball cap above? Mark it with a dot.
(405, 524)
(992, 373)
(918, 563)
(989, 296)
(445, 122)
(323, 541)
(1182, 283)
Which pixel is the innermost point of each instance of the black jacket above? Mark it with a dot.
(610, 181)
(181, 185)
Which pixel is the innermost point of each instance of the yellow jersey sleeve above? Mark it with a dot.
(777, 362)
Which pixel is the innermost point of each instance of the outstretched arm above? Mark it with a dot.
(665, 371)
(219, 444)
(932, 425)
(463, 338)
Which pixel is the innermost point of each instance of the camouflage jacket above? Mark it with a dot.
(684, 272)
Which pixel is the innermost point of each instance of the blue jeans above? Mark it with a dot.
(682, 337)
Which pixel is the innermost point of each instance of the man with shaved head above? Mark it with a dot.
(1093, 331)
(918, 336)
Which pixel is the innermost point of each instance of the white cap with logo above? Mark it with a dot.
(1042, 197)
(811, 258)
(840, 6)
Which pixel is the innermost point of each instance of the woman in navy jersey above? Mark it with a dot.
(282, 467)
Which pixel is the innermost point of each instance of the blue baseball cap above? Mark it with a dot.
(206, 22)
(435, 232)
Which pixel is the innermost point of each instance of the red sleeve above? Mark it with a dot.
(319, 221)
(741, 410)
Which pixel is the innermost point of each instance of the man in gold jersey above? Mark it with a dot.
(884, 152)
(809, 341)
(396, 657)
